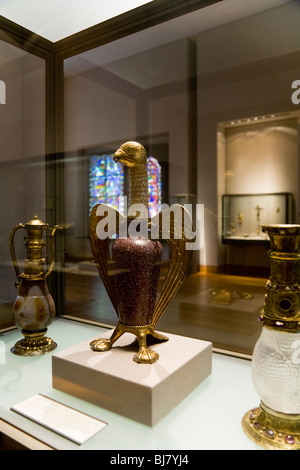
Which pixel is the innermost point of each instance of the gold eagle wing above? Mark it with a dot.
(175, 225)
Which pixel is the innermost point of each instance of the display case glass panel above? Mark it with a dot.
(217, 114)
(154, 186)
(106, 181)
(22, 158)
(169, 87)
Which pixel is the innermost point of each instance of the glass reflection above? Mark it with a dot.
(106, 182)
(194, 97)
(22, 156)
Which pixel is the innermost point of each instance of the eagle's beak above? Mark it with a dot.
(118, 155)
(122, 156)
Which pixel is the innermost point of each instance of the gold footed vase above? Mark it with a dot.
(275, 423)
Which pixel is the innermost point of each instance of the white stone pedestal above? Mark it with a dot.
(142, 392)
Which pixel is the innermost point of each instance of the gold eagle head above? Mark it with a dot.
(131, 154)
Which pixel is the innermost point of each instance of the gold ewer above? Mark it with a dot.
(34, 308)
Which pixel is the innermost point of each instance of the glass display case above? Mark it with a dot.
(244, 214)
(23, 159)
(216, 118)
(149, 76)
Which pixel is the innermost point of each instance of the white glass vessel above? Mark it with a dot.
(276, 370)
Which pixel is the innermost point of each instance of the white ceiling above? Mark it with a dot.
(243, 29)
(270, 24)
(57, 19)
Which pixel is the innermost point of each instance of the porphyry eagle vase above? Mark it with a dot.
(130, 267)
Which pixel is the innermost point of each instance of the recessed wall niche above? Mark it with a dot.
(258, 155)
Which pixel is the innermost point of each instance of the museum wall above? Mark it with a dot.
(243, 72)
(22, 152)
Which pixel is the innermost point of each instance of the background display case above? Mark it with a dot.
(244, 214)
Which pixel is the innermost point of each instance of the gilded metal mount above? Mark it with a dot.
(144, 355)
(33, 309)
(272, 430)
(34, 244)
(34, 343)
(282, 303)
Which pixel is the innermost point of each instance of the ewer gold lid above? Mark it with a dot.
(36, 222)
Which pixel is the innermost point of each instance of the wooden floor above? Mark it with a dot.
(222, 309)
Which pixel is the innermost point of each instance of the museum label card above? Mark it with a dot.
(68, 422)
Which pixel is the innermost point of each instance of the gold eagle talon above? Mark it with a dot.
(101, 344)
(146, 356)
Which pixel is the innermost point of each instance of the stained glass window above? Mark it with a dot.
(106, 181)
(154, 185)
